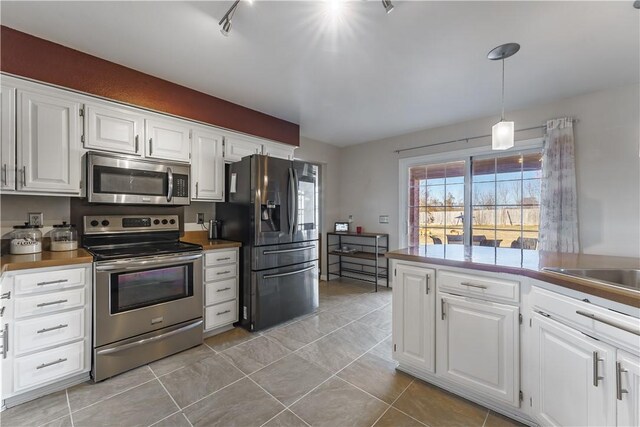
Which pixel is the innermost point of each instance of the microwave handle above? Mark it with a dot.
(170, 190)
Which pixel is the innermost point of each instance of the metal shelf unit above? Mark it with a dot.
(367, 263)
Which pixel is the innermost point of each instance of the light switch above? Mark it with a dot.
(384, 219)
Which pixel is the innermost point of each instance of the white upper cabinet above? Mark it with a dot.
(8, 138)
(574, 377)
(207, 166)
(48, 142)
(112, 128)
(478, 346)
(414, 316)
(281, 151)
(237, 147)
(167, 139)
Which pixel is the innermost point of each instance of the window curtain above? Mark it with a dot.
(559, 200)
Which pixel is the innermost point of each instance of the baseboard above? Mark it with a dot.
(217, 331)
(43, 391)
(323, 277)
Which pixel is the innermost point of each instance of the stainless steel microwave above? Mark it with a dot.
(130, 180)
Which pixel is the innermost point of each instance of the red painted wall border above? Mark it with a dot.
(32, 57)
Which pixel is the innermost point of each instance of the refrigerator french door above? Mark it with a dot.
(272, 209)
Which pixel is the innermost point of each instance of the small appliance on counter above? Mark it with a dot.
(26, 239)
(215, 229)
(64, 237)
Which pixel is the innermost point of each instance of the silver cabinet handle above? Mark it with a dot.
(197, 189)
(44, 304)
(54, 328)
(442, 308)
(2, 311)
(137, 143)
(4, 174)
(151, 146)
(223, 289)
(44, 365)
(619, 389)
(608, 322)
(223, 259)
(285, 251)
(223, 272)
(273, 276)
(52, 282)
(170, 179)
(5, 340)
(428, 278)
(6, 295)
(220, 313)
(596, 374)
(24, 176)
(473, 285)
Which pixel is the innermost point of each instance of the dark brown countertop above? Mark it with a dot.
(528, 263)
(201, 238)
(44, 259)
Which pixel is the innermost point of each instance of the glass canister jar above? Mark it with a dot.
(26, 239)
(64, 237)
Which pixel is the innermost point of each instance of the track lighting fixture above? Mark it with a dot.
(502, 133)
(226, 19)
(388, 6)
(636, 4)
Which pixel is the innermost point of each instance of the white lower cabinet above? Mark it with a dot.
(478, 346)
(628, 389)
(414, 316)
(574, 376)
(220, 289)
(46, 333)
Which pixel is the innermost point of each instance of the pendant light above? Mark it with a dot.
(502, 133)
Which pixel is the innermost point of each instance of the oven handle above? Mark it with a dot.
(273, 276)
(170, 191)
(130, 264)
(149, 340)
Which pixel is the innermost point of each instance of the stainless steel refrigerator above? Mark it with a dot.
(272, 208)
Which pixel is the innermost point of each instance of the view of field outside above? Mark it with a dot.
(505, 202)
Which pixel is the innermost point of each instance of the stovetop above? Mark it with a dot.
(108, 252)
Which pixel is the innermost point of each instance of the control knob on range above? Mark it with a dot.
(172, 221)
(105, 223)
(156, 221)
(164, 222)
(94, 223)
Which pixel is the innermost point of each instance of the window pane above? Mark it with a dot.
(508, 217)
(484, 193)
(455, 236)
(531, 192)
(508, 192)
(455, 173)
(483, 170)
(532, 165)
(510, 239)
(484, 217)
(509, 168)
(455, 195)
(435, 236)
(435, 195)
(436, 174)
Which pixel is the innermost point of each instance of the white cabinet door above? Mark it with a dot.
(48, 143)
(115, 129)
(207, 166)
(573, 376)
(8, 138)
(281, 151)
(628, 389)
(414, 316)
(478, 346)
(235, 148)
(167, 140)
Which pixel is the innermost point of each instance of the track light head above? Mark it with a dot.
(636, 4)
(226, 27)
(388, 6)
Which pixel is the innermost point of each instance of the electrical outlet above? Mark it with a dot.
(200, 218)
(384, 219)
(36, 218)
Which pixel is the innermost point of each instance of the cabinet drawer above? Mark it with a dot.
(590, 318)
(220, 257)
(479, 286)
(221, 314)
(49, 302)
(46, 331)
(49, 280)
(223, 290)
(220, 273)
(39, 368)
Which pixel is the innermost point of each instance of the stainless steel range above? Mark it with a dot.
(147, 290)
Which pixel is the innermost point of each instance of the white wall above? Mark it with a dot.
(14, 210)
(607, 162)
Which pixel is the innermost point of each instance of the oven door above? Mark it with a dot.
(127, 180)
(139, 295)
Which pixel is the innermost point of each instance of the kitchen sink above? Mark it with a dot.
(626, 278)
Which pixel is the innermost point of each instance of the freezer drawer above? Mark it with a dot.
(269, 257)
(284, 293)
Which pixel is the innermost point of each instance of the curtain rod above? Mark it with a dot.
(469, 138)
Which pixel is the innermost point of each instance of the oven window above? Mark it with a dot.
(149, 287)
(129, 181)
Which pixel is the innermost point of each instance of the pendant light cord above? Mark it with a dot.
(502, 114)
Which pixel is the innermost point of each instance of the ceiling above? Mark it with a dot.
(358, 75)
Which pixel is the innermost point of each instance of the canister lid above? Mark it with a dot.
(64, 224)
(26, 226)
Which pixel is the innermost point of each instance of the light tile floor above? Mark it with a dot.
(331, 368)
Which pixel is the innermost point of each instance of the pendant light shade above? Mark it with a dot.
(502, 135)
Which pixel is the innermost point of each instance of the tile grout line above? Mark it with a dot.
(165, 389)
(391, 404)
(403, 412)
(66, 392)
(113, 395)
(486, 417)
(162, 419)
